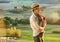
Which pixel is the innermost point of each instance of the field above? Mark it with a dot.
(27, 37)
(48, 37)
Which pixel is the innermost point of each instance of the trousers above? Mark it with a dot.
(39, 38)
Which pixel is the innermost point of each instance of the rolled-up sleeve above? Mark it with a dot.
(34, 25)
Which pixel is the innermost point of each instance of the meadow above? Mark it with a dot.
(48, 36)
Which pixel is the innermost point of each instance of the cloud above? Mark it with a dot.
(4, 1)
(49, 1)
(40, 1)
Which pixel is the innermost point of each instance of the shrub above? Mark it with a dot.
(58, 22)
(10, 32)
(55, 31)
(18, 33)
(13, 32)
(24, 21)
(7, 23)
(53, 18)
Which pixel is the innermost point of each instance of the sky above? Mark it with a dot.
(25, 2)
(7, 4)
(40, 1)
(49, 1)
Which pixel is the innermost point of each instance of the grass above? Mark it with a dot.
(27, 37)
(48, 37)
(52, 37)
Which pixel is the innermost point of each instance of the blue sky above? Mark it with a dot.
(40, 1)
(49, 1)
(26, 2)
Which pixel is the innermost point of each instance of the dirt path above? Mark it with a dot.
(14, 40)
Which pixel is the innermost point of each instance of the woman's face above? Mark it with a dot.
(36, 10)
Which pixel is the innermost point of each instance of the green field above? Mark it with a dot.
(27, 36)
(48, 37)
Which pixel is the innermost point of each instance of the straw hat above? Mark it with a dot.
(34, 5)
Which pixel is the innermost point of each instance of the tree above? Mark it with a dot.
(7, 23)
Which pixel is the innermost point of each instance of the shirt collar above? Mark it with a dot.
(34, 15)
